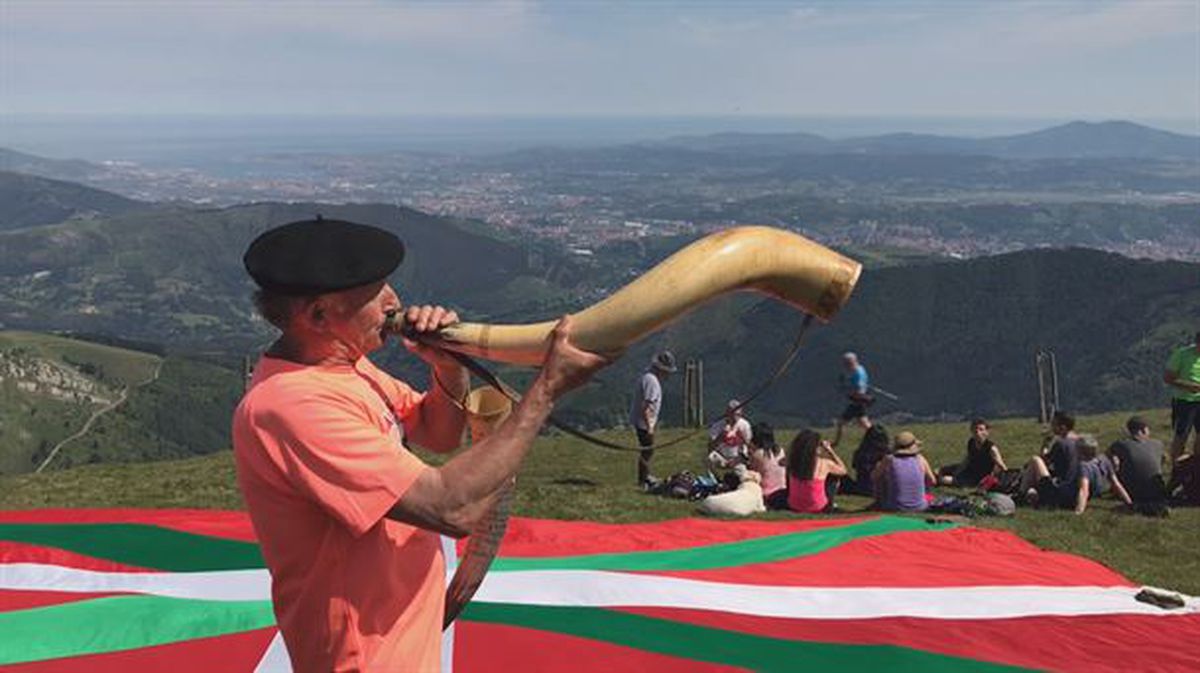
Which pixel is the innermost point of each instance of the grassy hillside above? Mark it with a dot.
(29, 201)
(145, 407)
(565, 479)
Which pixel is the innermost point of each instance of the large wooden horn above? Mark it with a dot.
(775, 262)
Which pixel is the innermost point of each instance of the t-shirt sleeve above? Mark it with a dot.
(651, 391)
(1175, 362)
(858, 380)
(333, 454)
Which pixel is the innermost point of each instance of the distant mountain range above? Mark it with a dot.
(1075, 140)
(1081, 161)
(28, 201)
(951, 338)
(174, 276)
(62, 169)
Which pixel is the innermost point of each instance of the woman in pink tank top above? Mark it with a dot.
(810, 461)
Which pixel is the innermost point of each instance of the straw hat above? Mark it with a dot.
(906, 444)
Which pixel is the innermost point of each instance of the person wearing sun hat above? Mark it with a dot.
(645, 410)
(348, 519)
(902, 478)
(729, 438)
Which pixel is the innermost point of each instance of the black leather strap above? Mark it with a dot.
(487, 376)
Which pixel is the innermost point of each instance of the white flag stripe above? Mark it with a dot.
(275, 659)
(587, 588)
(610, 589)
(450, 553)
(224, 585)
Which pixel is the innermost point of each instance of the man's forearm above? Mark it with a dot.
(482, 469)
(442, 416)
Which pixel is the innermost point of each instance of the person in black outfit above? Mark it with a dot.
(1052, 479)
(983, 458)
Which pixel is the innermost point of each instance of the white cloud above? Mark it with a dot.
(353, 20)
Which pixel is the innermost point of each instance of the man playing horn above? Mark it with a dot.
(348, 519)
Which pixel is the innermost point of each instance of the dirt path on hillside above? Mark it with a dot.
(98, 413)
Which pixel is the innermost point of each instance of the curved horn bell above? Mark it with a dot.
(775, 262)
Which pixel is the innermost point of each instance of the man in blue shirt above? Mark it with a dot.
(857, 386)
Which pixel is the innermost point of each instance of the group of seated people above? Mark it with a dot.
(1070, 470)
(1067, 473)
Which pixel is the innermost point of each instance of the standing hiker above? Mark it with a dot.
(1183, 375)
(857, 386)
(645, 410)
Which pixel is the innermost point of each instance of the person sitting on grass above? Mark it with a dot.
(1096, 474)
(1139, 462)
(901, 479)
(983, 458)
(768, 459)
(874, 446)
(1052, 479)
(729, 439)
(812, 474)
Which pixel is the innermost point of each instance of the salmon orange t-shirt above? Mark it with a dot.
(320, 461)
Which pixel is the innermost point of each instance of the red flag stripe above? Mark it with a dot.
(233, 525)
(495, 648)
(20, 552)
(1083, 643)
(918, 559)
(550, 537)
(18, 599)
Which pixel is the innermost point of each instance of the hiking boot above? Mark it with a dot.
(651, 484)
(1031, 497)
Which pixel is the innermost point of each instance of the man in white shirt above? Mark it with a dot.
(644, 412)
(729, 438)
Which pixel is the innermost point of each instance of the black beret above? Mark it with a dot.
(317, 256)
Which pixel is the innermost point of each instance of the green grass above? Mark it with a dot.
(565, 479)
(116, 367)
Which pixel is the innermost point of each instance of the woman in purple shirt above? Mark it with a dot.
(901, 479)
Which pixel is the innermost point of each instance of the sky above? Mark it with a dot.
(1072, 60)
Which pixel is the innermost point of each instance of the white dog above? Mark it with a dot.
(746, 500)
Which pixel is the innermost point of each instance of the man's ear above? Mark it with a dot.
(315, 312)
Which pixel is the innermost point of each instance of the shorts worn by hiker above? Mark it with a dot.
(1185, 416)
(857, 407)
(1053, 494)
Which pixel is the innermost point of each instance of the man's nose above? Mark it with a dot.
(389, 296)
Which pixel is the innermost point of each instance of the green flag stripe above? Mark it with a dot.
(117, 623)
(159, 548)
(140, 545)
(700, 643)
(745, 552)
